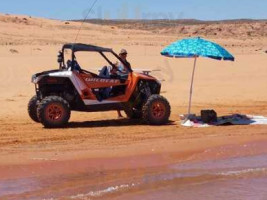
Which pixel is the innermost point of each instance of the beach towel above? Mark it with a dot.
(235, 119)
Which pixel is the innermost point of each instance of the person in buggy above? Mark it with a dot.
(118, 70)
(123, 67)
(74, 64)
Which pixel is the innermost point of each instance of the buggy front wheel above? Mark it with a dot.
(156, 110)
(53, 112)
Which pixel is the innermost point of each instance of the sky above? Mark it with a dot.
(138, 9)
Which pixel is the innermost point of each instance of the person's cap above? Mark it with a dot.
(123, 51)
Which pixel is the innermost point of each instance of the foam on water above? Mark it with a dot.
(102, 192)
(244, 172)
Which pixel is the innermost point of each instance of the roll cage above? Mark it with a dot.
(76, 47)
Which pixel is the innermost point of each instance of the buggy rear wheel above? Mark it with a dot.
(32, 108)
(156, 110)
(53, 112)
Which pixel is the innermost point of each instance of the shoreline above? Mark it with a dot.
(135, 176)
(70, 165)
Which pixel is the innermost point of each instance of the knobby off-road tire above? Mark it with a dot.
(53, 112)
(32, 108)
(156, 110)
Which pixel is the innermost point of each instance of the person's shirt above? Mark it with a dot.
(122, 68)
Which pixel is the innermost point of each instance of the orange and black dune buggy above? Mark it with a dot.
(72, 88)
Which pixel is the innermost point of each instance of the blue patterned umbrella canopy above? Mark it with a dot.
(194, 48)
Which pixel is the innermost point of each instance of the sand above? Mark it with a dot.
(30, 45)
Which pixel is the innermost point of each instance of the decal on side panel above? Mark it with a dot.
(100, 80)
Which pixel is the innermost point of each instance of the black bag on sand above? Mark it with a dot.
(208, 116)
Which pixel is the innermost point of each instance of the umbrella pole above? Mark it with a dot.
(191, 88)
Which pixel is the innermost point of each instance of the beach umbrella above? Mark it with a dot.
(194, 48)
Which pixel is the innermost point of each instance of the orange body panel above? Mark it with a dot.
(94, 83)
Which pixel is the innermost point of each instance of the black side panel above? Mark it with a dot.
(143, 90)
(62, 87)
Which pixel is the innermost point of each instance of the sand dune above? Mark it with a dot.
(211, 29)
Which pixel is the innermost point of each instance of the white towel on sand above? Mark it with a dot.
(227, 120)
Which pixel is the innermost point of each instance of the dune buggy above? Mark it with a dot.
(72, 88)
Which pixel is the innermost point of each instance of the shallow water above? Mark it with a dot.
(243, 178)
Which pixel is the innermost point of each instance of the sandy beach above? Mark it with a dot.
(101, 157)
